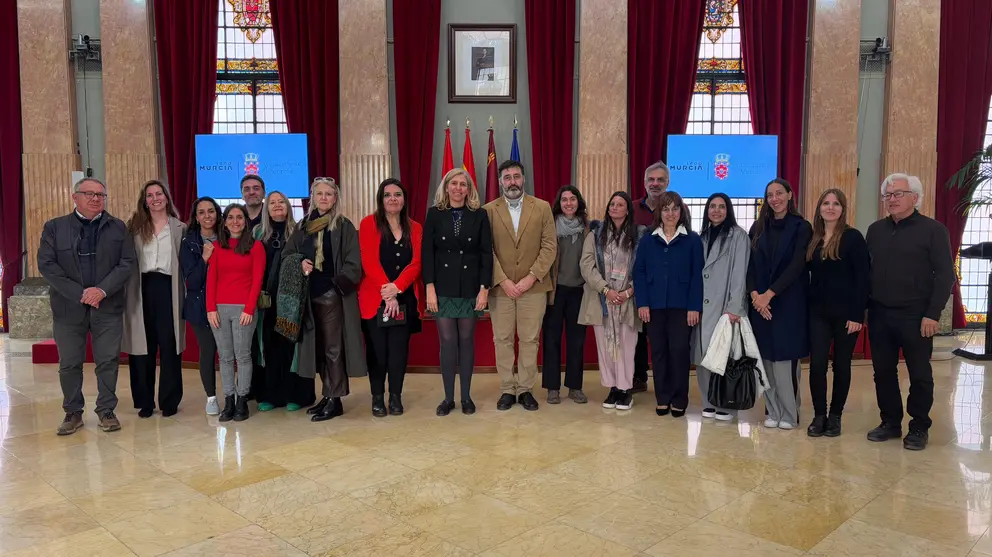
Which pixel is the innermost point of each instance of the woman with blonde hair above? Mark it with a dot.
(457, 266)
(331, 342)
(153, 325)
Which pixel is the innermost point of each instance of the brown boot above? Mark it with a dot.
(72, 423)
(109, 422)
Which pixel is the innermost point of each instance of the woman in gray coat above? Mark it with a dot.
(331, 340)
(726, 250)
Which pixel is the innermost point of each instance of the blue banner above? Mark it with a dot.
(279, 158)
(737, 165)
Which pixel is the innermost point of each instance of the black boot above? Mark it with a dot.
(833, 425)
(319, 407)
(333, 409)
(227, 414)
(241, 409)
(379, 406)
(818, 427)
(395, 404)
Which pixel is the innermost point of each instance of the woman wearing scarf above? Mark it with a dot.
(608, 299)
(571, 224)
(331, 340)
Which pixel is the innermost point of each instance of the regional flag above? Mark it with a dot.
(492, 179)
(449, 160)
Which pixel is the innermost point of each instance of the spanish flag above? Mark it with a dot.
(449, 161)
(468, 159)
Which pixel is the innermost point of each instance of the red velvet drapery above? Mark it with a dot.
(306, 38)
(416, 40)
(10, 156)
(662, 51)
(550, 27)
(773, 47)
(963, 94)
(186, 40)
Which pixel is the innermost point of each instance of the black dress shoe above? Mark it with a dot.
(319, 407)
(662, 411)
(916, 440)
(333, 409)
(639, 386)
(445, 407)
(833, 425)
(468, 407)
(506, 400)
(146, 412)
(227, 414)
(379, 406)
(678, 413)
(528, 401)
(818, 427)
(884, 432)
(395, 404)
(169, 412)
(241, 409)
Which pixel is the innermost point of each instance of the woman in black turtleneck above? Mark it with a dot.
(273, 353)
(777, 282)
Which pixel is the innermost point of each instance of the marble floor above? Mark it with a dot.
(570, 480)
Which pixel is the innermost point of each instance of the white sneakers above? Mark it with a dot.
(770, 423)
(212, 407)
(786, 425)
(709, 413)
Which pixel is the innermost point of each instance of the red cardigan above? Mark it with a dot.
(373, 275)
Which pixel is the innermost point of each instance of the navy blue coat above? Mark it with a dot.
(195, 275)
(669, 276)
(784, 272)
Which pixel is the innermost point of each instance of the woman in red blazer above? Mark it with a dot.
(388, 294)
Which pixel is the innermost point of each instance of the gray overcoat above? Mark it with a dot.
(724, 285)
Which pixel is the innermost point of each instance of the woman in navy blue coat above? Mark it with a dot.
(668, 290)
(777, 280)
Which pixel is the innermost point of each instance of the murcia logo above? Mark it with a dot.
(721, 166)
(251, 163)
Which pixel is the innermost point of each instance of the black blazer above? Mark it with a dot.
(457, 266)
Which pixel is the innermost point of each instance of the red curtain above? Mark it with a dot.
(306, 37)
(662, 52)
(10, 156)
(964, 91)
(550, 26)
(186, 40)
(416, 40)
(773, 47)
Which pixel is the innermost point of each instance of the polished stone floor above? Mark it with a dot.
(570, 480)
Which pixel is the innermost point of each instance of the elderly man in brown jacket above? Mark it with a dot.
(525, 247)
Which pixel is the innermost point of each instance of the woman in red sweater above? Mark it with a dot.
(234, 280)
(387, 296)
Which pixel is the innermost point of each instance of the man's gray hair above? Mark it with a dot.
(79, 184)
(660, 165)
(913, 181)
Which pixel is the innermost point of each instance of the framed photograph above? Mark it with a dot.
(482, 63)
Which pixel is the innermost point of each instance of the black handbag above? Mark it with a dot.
(737, 388)
(382, 320)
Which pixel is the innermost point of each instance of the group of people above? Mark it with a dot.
(282, 302)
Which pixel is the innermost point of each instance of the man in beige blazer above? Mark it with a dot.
(525, 247)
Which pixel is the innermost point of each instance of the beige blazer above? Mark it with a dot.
(533, 249)
(133, 341)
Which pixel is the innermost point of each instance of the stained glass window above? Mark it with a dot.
(719, 102)
(977, 229)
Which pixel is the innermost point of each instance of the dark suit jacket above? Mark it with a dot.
(457, 266)
(58, 261)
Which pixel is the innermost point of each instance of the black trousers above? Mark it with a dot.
(890, 330)
(641, 356)
(826, 330)
(669, 335)
(160, 339)
(208, 358)
(563, 315)
(106, 330)
(392, 349)
(280, 385)
(328, 317)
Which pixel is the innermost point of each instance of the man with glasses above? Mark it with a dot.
(912, 273)
(253, 193)
(87, 257)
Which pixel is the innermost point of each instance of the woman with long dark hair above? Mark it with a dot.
(838, 263)
(608, 296)
(726, 251)
(458, 272)
(777, 281)
(564, 302)
(234, 280)
(388, 294)
(194, 255)
(668, 285)
(153, 325)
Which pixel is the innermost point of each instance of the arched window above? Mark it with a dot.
(977, 229)
(719, 102)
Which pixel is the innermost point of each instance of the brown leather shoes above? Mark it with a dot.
(72, 423)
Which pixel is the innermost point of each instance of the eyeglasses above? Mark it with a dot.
(323, 180)
(896, 194)
(92, 194)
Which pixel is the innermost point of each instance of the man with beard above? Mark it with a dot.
(525, 246)
(656, 180)
(253, 193)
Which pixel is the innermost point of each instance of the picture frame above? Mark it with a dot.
(482, 63)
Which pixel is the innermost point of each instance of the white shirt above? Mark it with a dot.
(660, 232)
(156, 255)
(516, 208)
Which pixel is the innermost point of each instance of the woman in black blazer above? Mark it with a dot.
(457, 259)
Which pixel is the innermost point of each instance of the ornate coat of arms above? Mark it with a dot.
(721, 166)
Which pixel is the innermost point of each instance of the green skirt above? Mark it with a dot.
(456, 308)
